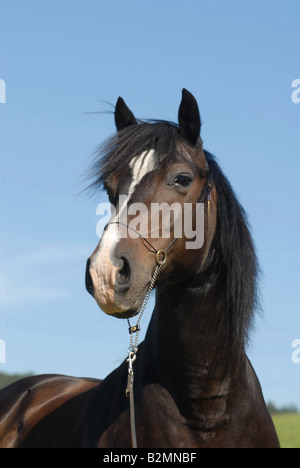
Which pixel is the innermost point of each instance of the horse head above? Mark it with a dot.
(157, 179)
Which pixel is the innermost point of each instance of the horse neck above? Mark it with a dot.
(187, 348)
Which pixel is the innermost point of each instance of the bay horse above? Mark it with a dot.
(194, 386)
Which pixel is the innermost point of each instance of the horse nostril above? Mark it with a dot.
(88, 279)
(124, 273)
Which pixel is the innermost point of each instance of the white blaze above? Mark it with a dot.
(140, 166)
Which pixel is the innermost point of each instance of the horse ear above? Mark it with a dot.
(123, 115)
(189, 118)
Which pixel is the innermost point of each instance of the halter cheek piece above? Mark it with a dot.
(161, 258)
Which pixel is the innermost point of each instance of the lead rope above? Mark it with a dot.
(133, 348)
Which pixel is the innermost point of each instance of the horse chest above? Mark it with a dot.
(161, 422)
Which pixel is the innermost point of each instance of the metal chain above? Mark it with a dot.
(133, 348)
(136, 329)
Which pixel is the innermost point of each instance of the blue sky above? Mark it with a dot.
(61, 61)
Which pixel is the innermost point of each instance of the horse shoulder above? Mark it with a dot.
(26, 402)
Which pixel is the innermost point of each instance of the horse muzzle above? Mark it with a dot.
(117, 286)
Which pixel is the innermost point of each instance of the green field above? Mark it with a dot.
(288, 429)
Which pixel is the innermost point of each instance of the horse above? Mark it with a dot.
(194, 386)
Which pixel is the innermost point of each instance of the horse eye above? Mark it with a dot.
(183, 180)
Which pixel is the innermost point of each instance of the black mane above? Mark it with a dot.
(234, 259)
(232, 254)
